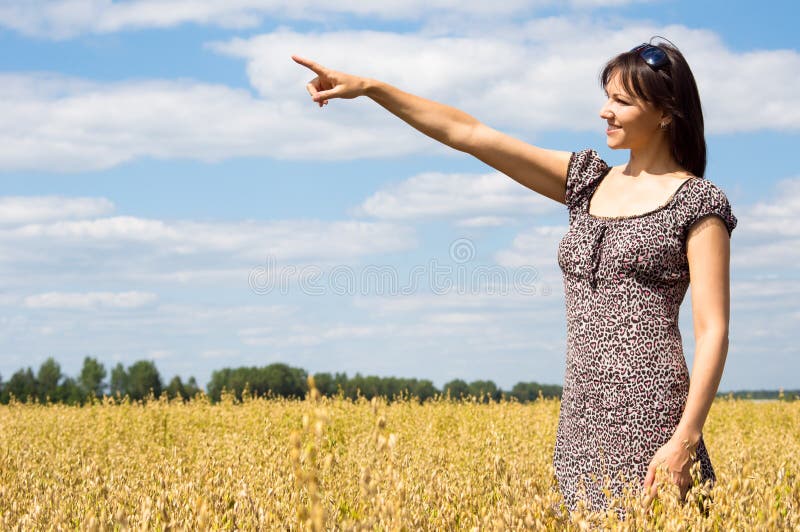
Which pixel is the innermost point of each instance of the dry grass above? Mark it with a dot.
(339, 464)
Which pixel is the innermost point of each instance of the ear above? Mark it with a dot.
(665, 120)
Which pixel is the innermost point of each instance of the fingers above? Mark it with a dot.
(321, 97)
(308, 63)
(646, 500)
(311, 87)
(683, 482)
(652, 481)
(325, 95)
(650, 476)
(650, 484)
(312, 90)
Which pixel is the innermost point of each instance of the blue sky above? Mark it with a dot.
(156, 156)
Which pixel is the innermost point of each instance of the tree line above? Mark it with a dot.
(137, 381)
(141, 379)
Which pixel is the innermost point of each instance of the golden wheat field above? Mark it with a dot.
(333, 463)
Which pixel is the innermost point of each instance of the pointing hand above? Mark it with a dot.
(330, 83)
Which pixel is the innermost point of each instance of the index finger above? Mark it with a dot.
(309, 64)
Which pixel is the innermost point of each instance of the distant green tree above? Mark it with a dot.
(279, 379)
(191, 388)
(175, 389)
(356, 385)
(525, 391)
(324, 383)
(529, 391)
(119, 380)
(218, 382)
(390, 387)
(91, 377)
(458, 389)
(328, 384)
(142, 378)
(22, 386)
(480, 389)
(48, 379)
(424, 389)
(71, 393)
(285, 380)
(369, 385)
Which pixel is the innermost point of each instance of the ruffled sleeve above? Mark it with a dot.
(585, 168)
(706, 199)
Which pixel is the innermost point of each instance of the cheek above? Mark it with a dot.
(636, 121)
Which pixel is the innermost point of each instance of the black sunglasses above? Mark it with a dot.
(652, 55)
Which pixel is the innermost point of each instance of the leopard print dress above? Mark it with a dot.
(626, 378)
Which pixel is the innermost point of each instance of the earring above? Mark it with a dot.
(664, 125)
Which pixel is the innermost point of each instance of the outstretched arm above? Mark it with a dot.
(539, 169)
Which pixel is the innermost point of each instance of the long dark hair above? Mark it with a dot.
(673, 90)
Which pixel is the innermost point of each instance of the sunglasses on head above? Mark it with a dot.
(654, 56)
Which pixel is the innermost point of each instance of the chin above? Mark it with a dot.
(616, 144)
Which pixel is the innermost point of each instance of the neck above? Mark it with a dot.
(654, 158)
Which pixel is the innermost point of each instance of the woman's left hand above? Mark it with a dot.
(677, 456)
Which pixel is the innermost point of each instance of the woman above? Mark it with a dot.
(638, 232)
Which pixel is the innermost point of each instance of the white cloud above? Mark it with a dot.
(219, 353)
(464, 318)
(537, 246)
(113, 237)
(453, 302)
(765, 293)
(488, 75)
(181, 314)
(60, 124)
(8, 300)
(90, 300)
(339, 332)
(485, 221)
(768, 232)
(432, 195)
(249, 258)
(307, 335)
(537, 75)
(17, 210)
(286, 338)
(157, 354)
(776, 216)
(61, 19)
(526, 78)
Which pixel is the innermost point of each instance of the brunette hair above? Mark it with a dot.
(672, 89)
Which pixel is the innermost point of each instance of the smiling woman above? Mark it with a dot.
(627, 406)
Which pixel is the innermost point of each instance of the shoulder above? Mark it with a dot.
(585, 168)
(704, 198)
(586, 161)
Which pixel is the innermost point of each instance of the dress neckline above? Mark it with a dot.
(663, 206)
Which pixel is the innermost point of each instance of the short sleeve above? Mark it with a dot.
(585, 168)
(706, 199)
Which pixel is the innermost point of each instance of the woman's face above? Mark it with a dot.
(632, 123)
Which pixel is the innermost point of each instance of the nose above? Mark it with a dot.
(605, 112)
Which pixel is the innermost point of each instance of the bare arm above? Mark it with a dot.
(541, 170)
(708, 252)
